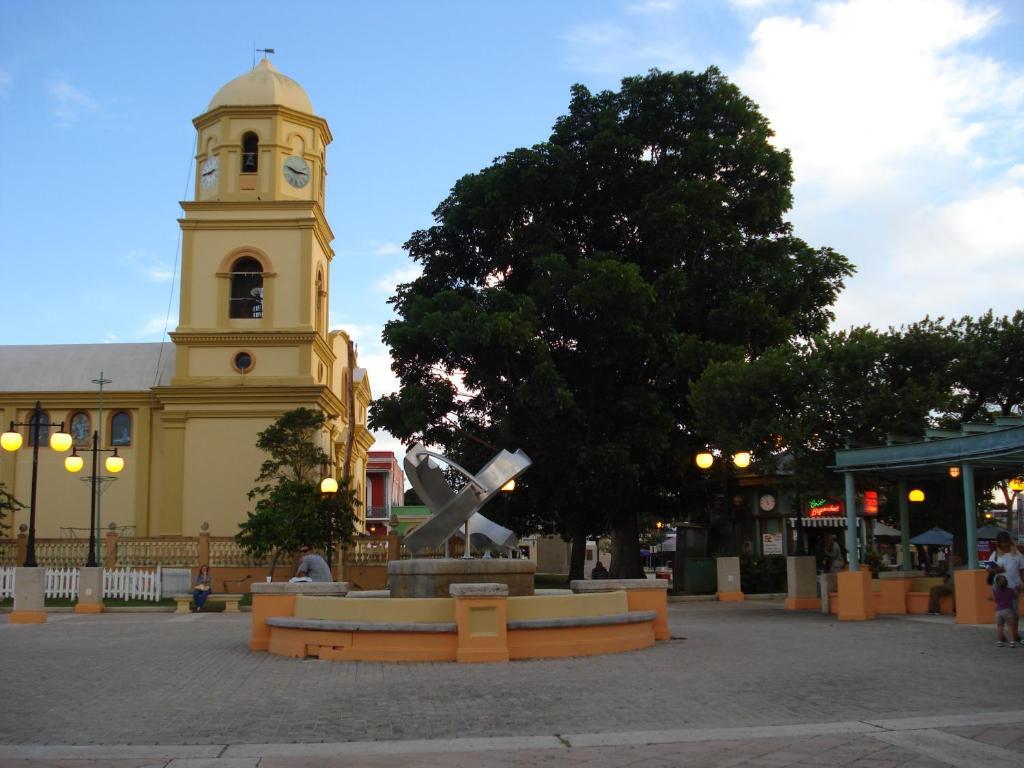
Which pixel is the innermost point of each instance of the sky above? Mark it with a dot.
(905, 120)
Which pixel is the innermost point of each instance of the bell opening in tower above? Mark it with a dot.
(250, 153)
(246, 289)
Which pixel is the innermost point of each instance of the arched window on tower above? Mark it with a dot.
(321, 298)
(250, 153)
(246, 288)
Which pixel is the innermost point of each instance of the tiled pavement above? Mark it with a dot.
(162, 679)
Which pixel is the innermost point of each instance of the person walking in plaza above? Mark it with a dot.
(201, 588)
(833, 555)
(1006, 611)
(312, 566)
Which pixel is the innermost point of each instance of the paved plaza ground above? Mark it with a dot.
(740, 684)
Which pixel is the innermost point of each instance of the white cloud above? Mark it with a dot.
(951, 259)
(612, 49)
(110, 338)
(155, 325)
(652, 6)
(868, 86)
(6, 82)
(70, 103)
(148, 265)
(386, 249)
(402, 275)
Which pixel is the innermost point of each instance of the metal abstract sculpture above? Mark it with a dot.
(452, 510)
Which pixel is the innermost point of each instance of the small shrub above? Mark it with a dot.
(760, 575)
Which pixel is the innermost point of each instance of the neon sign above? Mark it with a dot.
(824, 507)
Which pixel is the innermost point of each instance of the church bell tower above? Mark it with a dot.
(252, 340)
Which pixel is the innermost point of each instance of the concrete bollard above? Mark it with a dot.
(801, 585)
(728, 569)
(90, 591)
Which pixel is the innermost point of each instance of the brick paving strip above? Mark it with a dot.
(920, 742)
(743, 684)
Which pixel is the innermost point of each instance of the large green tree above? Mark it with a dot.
(571, 291)
(290, 510)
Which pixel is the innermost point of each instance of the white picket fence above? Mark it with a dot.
(119, 583)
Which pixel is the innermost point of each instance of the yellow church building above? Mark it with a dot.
(252, 342)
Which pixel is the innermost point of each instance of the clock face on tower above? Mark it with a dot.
(296, 171)
(208, 172)
(767, 502)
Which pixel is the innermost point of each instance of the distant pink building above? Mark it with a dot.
(385, 488)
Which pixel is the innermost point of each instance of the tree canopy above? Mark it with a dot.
(290, 510)
(572, 290)
(862, 387)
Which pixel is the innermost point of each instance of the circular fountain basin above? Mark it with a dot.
(421, 577)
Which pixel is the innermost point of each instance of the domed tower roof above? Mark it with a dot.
(263, 86)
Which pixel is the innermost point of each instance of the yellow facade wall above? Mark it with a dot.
(221, 465)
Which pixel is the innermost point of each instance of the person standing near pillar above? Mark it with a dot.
(1009, 562)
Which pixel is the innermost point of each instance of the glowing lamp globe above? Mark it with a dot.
(509, 486)
(114, 464)
(60, 441)
(705, 460)
(742, 459)
(73, 463)
(10, 441)
(954, 471)
(328, 485)
(916, 494)
(1017, 484)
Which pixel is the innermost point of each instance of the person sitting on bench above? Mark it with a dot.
(201, 589)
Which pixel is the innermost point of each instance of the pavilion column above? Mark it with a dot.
(851, 520)
(901, 490)
(967, 472)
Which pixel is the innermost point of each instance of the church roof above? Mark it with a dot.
(260, 87)
(71, 367)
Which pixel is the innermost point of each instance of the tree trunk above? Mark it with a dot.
(578, 558)
(273, 562)
(626, 560)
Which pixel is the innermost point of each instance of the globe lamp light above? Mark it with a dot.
(705, 460)
(73, 463)
(742, 459)
(60, 441)
(916, 494)
(328, 485)
(10, 441)
(509, 486)
(954, 472)
(114, 464)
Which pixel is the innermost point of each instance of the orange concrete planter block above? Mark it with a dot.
(363, 646)
(974, 603)
(278, 599)
(802, 603)
(578, 641)
(27, 617)
(729, 597)
(89, 608)
(893, 595)
(481, 613)
(856, 600)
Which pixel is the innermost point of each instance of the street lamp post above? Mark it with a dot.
(741, 460)
(60, 441)
(114, 464)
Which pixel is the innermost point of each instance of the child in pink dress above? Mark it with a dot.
(1005, 612)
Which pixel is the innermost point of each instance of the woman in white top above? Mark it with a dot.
(1006, 559)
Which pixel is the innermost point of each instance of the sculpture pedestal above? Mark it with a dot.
(433, 578)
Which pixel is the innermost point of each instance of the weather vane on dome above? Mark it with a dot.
(264, 51)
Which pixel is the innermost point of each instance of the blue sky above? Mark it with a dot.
(905, 119)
